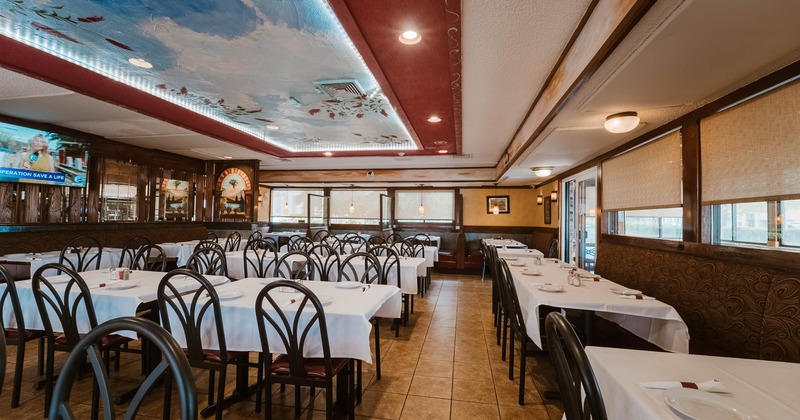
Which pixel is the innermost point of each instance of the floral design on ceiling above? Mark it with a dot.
(244, 63)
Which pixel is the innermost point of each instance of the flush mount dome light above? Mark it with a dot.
(410, 37)
(443, 151)
(542, 170)
(622, 122)
(434, 119)
(328, 154)
(138, 62)
(272, 127)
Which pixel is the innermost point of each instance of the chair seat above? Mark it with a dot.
(109, 341)
(13, 334)
(315, 367)
(214, 356)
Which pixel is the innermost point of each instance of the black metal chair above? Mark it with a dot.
(413, 248)
(259, 257)
(18, 336)
(552, 250)
(390, 267)
(2, 357)
(232, 242)
(320, 235)
(375, 241)
(577, 384)
(291, 367)
(191, 313)
(173, 366)
(395, 238)
(295, 265)
(334, 243)
(130, 249)
(326, 261)
(87, 251)
(365, 268)
(255, 235)
(424, 238)
(208, 259)
(353, 243)
(150, 258)
(299, 243)
(65, 304)
(210, 237)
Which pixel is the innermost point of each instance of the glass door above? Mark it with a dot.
(580, 227)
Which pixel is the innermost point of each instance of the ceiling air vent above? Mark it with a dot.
(339, 89)
(464, 156)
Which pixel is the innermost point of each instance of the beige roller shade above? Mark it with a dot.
(750, 152)
(647, 177)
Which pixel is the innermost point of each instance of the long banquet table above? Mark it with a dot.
(505, 243)
(765, 387)
(649, 319)
(109, 302)
(347, 317)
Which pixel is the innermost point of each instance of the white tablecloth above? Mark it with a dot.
(347, 318)
(651, 320)
(520, 253)
(768, 388)
(505, 243)
(180, 250)
(410, 268)
(110, 258)
(108, 303)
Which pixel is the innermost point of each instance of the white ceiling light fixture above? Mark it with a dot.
(272, 127)
(542, 170)
(352, 206)
(328, 154)
(138, 62)
(434, 119)
(410, 37)
(421, 209)
(622, 122)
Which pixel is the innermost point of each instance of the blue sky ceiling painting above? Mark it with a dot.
(282, 71)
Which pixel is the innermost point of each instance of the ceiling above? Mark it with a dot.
(479, 67)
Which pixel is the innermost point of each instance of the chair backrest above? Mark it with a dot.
(87, 251)
(191, 313)
(130, 249)
(292, 325)
(295, 265)
(508, 292)
(9, 296)
(361, 267)
(412, 248)
(333, 242)
(233, 241)
(150, 258)
(577, 384)
(326, 261)
(173, 360)
(353, 243)
(64, 304)
(255, 235)
(299, 243)
(259, 257)
(552, 250)
(375, 241)
(320, 235)
(208, 259)
(390, 262)
(424, 238)
(210, 237)
(395, 238)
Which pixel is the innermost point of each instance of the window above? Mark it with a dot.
(660, 223)
(366, 206)
(289, 206)
(425, 206)
(789, 221)
(762, 223)
(119, 191)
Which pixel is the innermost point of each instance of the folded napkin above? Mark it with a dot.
(637, 297)
(708, 386)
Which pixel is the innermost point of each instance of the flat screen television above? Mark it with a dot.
(35, 156)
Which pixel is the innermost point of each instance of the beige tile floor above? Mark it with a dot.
(444, 365)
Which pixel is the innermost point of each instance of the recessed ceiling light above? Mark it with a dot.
(272, 127)
(443, 151)
(227, 157)
(439, 142)
(328, 154)
(138, 62)
(410, 37)
(434, 119)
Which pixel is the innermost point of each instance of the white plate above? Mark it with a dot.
(551, 288)
(625, 292)
(349, 285)
(325, 299)
(122, 285)
(531, 273)
(517, 264)
(509, 259)
(694, 404)
(229, 294)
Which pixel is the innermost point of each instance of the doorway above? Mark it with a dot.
(579, 232)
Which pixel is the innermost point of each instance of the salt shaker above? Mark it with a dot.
(576, 279)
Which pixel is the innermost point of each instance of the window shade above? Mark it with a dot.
(439, 206)
(367, 205)
(749, 152)
(647, 177)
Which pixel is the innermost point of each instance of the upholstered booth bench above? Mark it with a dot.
(732, 307)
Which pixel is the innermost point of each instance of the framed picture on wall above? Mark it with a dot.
(547, 214)
(500, 201)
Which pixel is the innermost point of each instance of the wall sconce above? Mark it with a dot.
(554, 196)
(539, 200)
(622, 122)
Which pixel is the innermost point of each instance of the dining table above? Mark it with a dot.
(181, 251)
(504, 243)
(519, 252)
(756, 389)
(547, 285)
(26, 263)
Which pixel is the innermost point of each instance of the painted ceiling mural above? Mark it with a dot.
(283, 71)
